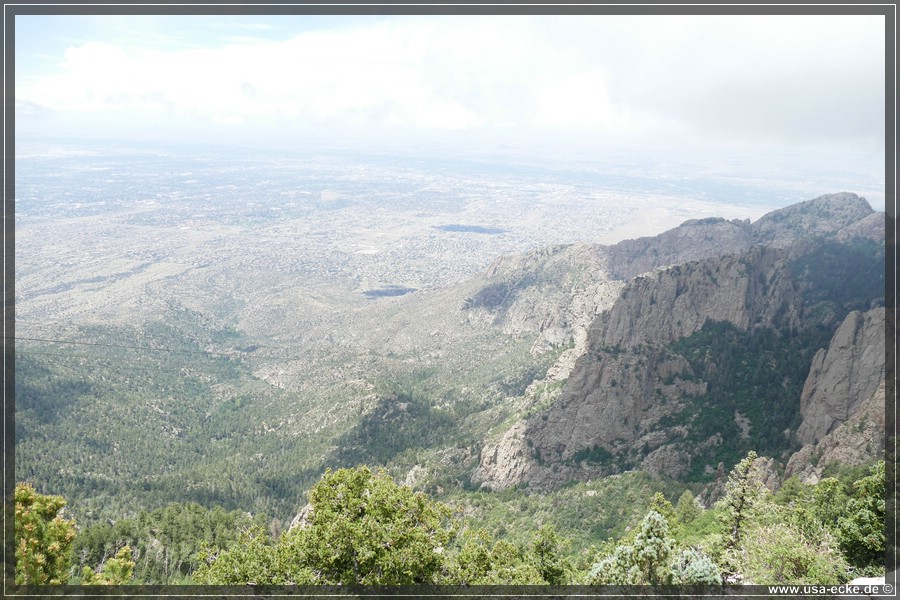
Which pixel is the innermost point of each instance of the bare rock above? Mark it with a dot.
(858, 441)
(555, 292)
(692, 240)
(843, 214)
(303, 518)
(768, 472)
(621, 383)
(504, 463)
(844, 375)
(871, 227)
(746, 289)
(611, 400)
(820, 216)
(667, 460)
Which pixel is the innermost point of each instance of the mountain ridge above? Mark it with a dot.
(619, 406)
(546, 368)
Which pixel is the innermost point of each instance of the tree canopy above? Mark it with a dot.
(43, 538)
(362, 529)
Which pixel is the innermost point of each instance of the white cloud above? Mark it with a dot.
(229, 119)
(744, 75)
(577, 100)
(729, 77)
(446, 74)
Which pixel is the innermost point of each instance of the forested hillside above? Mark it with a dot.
(546, 421)
(360, 527)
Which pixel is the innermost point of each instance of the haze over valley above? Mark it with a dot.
(283, 247)
(530, 290)
(297, 293)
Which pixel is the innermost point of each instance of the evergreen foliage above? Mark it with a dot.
(778, 553)
(660, 504)
(860, 263)
(118, 570)
(792, 490)
(547, 553)
(43, 538)
(363, 529)
(705, 532)
(478, 559)
(165, 543)
(861, 531)
(789, 537)
(255, 559)
(643, 562)
(687, 509)
(401, 421)
(743, 493)
(759, 373)
(366, 529)
(829, 502)
(585, 513)
(693, 567)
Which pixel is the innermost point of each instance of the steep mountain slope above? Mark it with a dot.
(672, 354)
(843, 399)
(559, 287)
(696, 363)
(842, 377)
(692, 240)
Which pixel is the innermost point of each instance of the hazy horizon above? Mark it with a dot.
(796, 99)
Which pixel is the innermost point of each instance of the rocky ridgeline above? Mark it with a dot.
(692, 240)
(623, 387)
(828, 215)
(744, 289)
(555, 290)
(833, 214)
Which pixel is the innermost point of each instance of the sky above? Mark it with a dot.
(810, 87)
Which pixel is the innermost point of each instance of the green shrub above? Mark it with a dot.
(693, 567)
(43, 538)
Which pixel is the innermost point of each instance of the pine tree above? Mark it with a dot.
(480, 560)
(363, 529)
(861, 531)
(743, 492)
(644, 561)
(546, 550)
(43, 538)
(115, 571)
(687, 509)
(693, 567)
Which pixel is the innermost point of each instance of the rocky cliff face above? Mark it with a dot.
(630, 401)
(621, 392)
(857, 441)
(744, 289)
(844, 375)
(871, 227)
(507, 462)
(843, 399)
(612, 405)
(559, 291)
